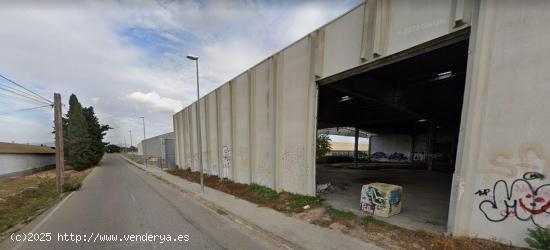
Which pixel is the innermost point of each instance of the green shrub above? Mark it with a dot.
(538, 238)
(340, 214)
(264, 194)
(299, 200)
(323, 146)
(71, 185)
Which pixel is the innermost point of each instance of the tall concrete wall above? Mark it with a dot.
(15, 164)
(390, 144)
(260, 126)
(503, 144)
(502, 185)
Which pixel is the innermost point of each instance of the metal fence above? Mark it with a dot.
(152, 160)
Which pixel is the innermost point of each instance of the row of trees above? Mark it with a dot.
(83, 136)
(112, 148)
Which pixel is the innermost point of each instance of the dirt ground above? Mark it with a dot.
(367, 228)
(25, 197)
(392, 237)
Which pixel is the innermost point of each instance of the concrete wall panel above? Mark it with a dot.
(414, 22)
(224, 106)
(295, 81)
(182, 132)
(212, 133)
(176, 123)
(240, 91)
(505, 143)
(281, 153)
(204, 141)
(343, 40)
(194, 137)
(383, 146)
(187, 149)
(263, 117)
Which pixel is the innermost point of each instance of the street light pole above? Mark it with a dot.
(199, 141)
(143, 142)
(131, 143)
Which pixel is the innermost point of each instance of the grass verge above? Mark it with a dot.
(261, 195)
(24, 198)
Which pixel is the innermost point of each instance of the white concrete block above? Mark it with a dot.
(381, 199)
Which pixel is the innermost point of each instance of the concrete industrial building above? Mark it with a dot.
(19, 159)
(347, 149)
(460, 86)
(159, 149)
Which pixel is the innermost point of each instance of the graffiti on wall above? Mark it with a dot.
(396, 156)
(524, 199)
(226, 161)
(523, 192)
(483, 192)
(379, 156)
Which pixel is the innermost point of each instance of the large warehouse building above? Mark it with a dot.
(460, 86)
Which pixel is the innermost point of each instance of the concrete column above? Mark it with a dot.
(356, 148)
(430, 142)
(413, 142)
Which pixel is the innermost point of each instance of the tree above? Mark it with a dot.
(323, 146)
(96, 132)
(112, 148)
(78, 139)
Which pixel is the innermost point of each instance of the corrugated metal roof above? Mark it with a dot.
(14, 148)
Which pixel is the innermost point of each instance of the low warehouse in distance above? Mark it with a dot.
(20, 159)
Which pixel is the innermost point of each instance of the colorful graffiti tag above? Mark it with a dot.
(380, 199)
(395, 198)
(527, 199)
(375, 198)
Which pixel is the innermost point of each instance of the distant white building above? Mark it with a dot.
(160, 148)
(347, 148)
(19, 159)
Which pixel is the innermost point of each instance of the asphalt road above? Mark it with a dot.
(119, 199)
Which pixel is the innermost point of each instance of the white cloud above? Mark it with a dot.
(82, 48)
(152, 101)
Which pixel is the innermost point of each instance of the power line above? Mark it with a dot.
(21, 99)
(26, 94)
(22, 95)
(26, 109)
(26, 89)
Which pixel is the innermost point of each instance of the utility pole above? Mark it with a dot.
(143, 142)
(59, 157)
(199, 141)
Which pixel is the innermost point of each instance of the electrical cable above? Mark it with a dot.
(25, 109)
(21, 86)
(20, 93)
(21, 99)
(24, 96)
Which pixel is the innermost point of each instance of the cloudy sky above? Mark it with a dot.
(127, 58)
